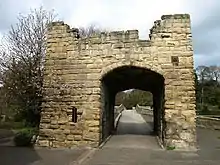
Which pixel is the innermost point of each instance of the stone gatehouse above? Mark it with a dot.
(83, 75)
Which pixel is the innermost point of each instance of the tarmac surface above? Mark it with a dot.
(134, 144)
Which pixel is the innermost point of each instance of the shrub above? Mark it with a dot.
(24, 137)
(171, 147)
(205, 108)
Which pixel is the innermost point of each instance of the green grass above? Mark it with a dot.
(11, 125)
(171, 148)
(24, 137)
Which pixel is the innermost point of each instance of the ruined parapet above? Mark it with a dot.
(178, 23)
(172, 31)
(207, 122)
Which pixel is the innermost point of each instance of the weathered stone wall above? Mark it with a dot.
(75, 66)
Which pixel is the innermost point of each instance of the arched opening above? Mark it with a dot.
(133, 112)
(131, 77)
(133, 97)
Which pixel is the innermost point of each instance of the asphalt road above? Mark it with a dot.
(133, 132)
(133, 144)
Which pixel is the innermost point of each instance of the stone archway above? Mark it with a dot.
(125, 77)
(73, 86)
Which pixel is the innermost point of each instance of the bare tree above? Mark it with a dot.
(215, 72)
(22, 57)
(88, 31)
(202, 72)
(26, 40)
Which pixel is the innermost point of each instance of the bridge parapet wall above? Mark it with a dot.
(144, 110)
(208, 122)
(119, 109)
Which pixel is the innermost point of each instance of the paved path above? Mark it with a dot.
(5, 133)
(133, 144)
(41, 156)
(128, 148)
(133, 132)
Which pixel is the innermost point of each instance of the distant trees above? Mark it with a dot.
(208, 89)
(1, 102)
(132, 98)
(88, 31)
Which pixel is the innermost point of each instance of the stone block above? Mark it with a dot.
(43, 143)
(90, 136)
(70, 137)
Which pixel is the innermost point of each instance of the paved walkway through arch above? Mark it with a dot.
(129, 148)
(133, 132)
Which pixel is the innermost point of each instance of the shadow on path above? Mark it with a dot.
(40, 156)
(135, 129)
(17, 156)
(5, 133)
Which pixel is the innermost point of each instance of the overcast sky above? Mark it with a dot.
(130, 14)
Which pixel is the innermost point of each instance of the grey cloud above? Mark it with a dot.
(206, 59)
(206, 42)
(63, 11)
(206, 38)
(7, 15)
(10, 9)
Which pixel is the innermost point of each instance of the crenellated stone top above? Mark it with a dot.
(169, 23)
(123, 36)
(175, 16)
(160, 26)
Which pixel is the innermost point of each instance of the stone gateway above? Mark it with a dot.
(83, 75)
